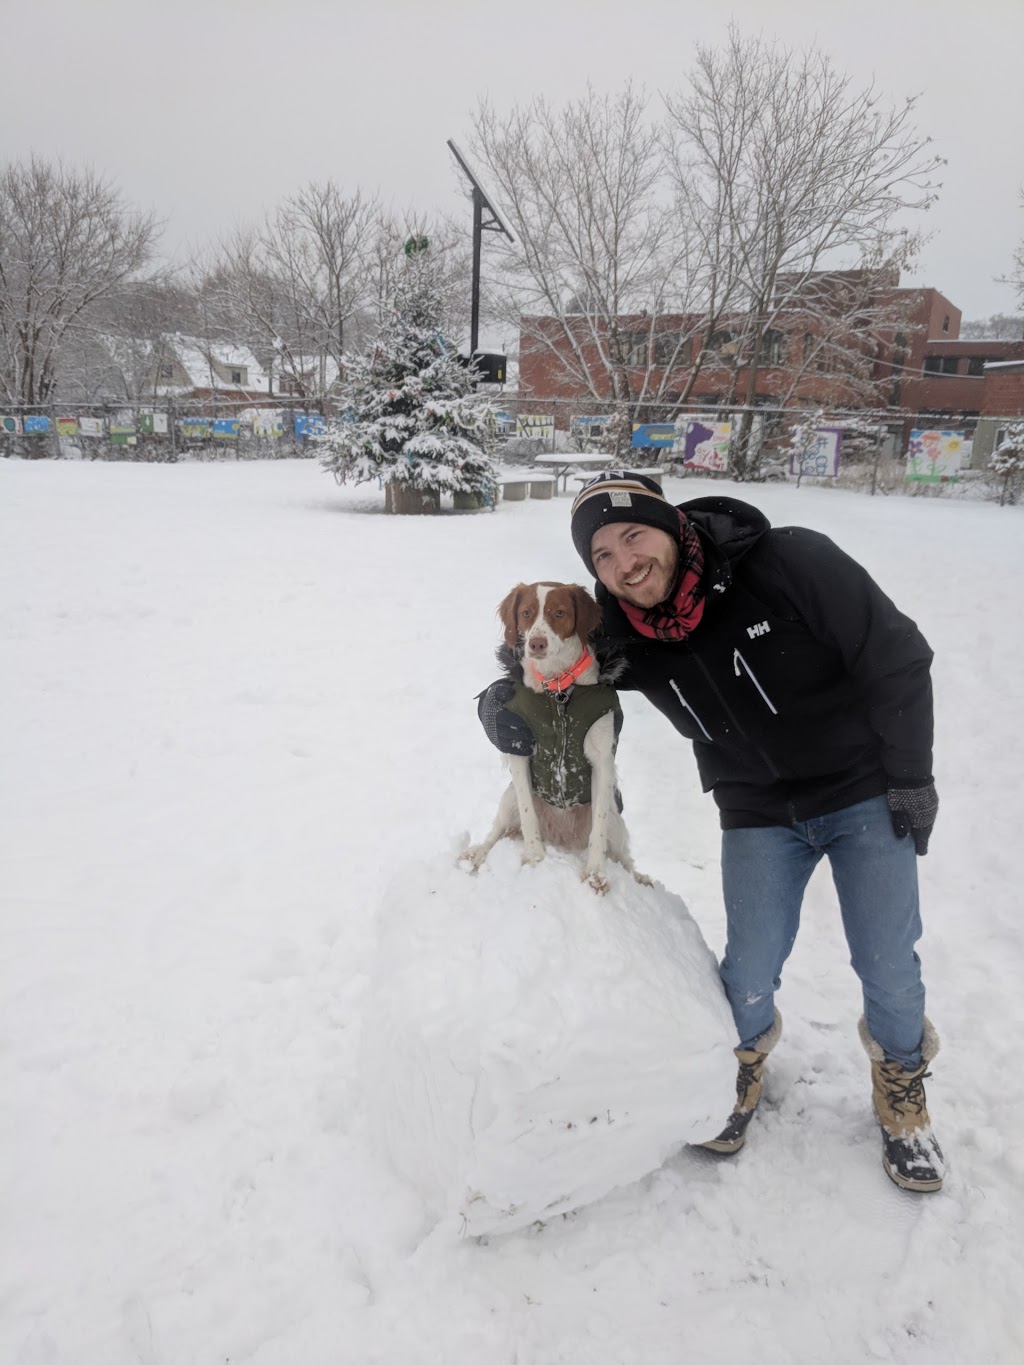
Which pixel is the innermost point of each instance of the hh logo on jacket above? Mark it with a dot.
(762, 628)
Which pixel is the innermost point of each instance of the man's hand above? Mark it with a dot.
(506, 731)
(914, 807)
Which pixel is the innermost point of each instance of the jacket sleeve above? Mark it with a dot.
(882, 649)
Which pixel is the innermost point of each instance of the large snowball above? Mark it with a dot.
(530, 1045)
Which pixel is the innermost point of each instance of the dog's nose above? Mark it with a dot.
(537, 644)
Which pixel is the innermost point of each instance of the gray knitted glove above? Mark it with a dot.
(913, 808)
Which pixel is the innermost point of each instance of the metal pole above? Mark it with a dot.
(474, 322)
(878, 456)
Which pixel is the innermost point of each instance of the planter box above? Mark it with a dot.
(410, 502)
(467, 502)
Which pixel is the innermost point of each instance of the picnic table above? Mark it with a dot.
(566, 463)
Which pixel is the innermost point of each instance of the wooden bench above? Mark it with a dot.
(514, 487)
(655, 473)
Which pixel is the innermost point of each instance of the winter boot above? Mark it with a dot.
(748, 1090)
(910, 1154)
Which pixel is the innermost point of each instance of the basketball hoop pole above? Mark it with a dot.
(478, 233)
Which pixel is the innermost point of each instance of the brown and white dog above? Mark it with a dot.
(547, 627)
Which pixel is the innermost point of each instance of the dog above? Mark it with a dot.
(566, 794)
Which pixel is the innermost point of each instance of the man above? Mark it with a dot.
(807, 697)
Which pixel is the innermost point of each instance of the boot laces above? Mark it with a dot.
(749, 1075)
(906, 1091)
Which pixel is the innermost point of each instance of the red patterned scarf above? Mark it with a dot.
(680, 613)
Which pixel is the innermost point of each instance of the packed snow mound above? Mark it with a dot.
(530, 1045)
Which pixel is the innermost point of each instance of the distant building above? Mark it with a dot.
(917, 372)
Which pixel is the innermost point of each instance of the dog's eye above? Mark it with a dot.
(560, 611)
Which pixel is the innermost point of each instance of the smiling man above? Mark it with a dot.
(807, 697)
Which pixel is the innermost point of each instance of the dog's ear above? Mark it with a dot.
(508, 615)
(588, 613)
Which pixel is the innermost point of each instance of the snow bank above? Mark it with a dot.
(530, 1045)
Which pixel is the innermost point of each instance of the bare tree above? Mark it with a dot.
(294, 288)
(449, 246)
(999, 326)
(68, 242)
(810, 175)
(600, 249)
(1017, 273)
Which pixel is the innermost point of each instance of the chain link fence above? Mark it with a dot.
(874, 452)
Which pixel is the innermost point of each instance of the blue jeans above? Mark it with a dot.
(764, 874)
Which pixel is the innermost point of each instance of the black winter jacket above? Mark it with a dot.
(803, 689)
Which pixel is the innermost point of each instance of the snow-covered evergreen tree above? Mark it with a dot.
(1008, 462)
(412, 421)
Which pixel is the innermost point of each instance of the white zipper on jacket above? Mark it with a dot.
(687, 707)
(737, 659)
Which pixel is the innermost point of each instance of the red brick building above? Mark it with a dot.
(918, 370)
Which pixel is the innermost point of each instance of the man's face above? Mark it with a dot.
(635, 562)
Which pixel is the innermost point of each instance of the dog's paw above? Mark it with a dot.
(533, 856)
(597, 882)
(471, 859)
(641, 878)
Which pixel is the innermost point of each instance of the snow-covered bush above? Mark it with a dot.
(411, 420)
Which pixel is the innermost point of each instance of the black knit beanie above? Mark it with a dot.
(619, 495)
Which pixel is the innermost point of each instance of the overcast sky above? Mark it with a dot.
(209, 113)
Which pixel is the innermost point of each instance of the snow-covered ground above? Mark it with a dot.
(237, 702)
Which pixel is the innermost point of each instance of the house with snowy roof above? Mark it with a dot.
(184, 367)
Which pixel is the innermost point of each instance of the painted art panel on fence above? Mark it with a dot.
(655, 435)
(934, 456)
(37, 425)
(153, 423)
(588, 428)
(90, 426)
(706, 445)
(820, 459)
(10, 426)
(123, 435)
(225, 429)
(195, 428)
(536, 426)
(267, 422)
(67, 426)
(309, 424)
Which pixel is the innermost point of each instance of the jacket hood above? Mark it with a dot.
(728, 529)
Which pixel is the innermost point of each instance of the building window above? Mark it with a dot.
(773, 347)
(236, 376)
(634, 348)
(165, 370)
(945, 323)
(722, 345)
(933, 364)
(671, 349)
(950, 363)
(976, 364)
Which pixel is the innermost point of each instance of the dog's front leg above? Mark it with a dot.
(533, 845)
(599, 748)
(505, 822)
